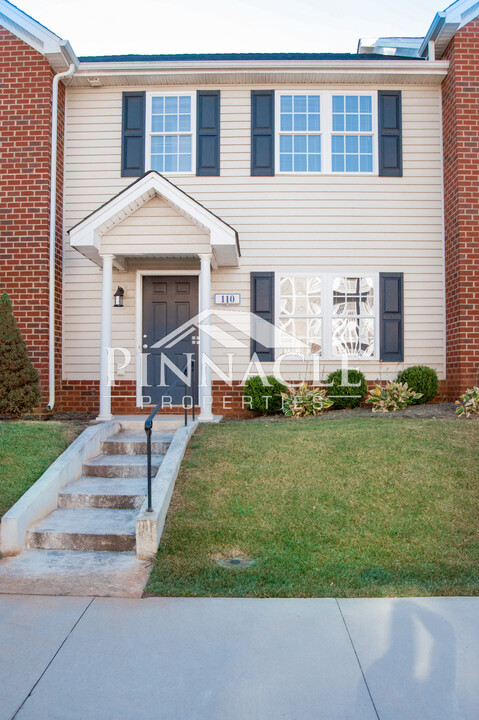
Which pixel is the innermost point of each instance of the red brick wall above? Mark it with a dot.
(461, 186)
(25, 132)
(83, 396)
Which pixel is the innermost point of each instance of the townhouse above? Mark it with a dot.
(334, 196)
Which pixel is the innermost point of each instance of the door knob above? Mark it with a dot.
(145, 346)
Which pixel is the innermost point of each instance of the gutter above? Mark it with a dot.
(97, 69)
(53, 209)
(408, 70)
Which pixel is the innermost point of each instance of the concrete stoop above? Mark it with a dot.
(91, 537)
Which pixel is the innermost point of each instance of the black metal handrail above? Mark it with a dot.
(149, 427)
(193, 387)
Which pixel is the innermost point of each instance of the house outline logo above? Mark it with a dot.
(252, 326)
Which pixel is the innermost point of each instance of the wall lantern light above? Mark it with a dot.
(119, 297)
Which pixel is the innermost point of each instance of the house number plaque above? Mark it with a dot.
(227, 299)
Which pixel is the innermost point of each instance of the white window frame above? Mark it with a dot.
(278, 132)
(149, 106)
(326, 132)
(327, 280)
(279, 314)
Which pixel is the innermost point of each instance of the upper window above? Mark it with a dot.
(352, 140)
(170, 143)
(326, 133)
(300, 138)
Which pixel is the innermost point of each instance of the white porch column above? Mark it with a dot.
(204, 373)
(105, 337)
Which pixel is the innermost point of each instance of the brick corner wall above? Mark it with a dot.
(25, 156)
(460, 93)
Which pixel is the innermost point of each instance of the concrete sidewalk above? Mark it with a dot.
(233, 659)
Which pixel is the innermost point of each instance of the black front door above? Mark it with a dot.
(168, 303)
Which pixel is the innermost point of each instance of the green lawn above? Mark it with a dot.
(370, 506)
(26, 450)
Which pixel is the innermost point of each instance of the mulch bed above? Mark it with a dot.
(439, 411)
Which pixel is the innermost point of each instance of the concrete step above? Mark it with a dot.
(85, 529)
(88, 492)
(121, 466)
(161, 423)
(132, 443)
(70, 572)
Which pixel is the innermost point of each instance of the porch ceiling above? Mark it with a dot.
(86, 236)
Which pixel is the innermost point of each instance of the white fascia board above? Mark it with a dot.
(25, 22)
(57, 52)
(433, 32)
(86, 236)
(406, 71)
(462, 12)
(447, 23)
(105, 69)
(225, 255)
(61, 56)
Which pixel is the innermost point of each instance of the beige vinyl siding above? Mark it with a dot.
(285, 223)
(155, 227)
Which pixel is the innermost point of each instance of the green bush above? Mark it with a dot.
(19, 390)
(265, 399)
(421, 379)
(347, 396)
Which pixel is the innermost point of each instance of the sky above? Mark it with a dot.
(109, 27)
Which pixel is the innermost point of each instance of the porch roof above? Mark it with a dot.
(87, 234)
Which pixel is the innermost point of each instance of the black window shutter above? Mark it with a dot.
(262, 132)
(208, 132)
(392, 323)
(262, 306)
(133, 135)
(390, 133)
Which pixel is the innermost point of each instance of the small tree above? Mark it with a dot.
(19, 389)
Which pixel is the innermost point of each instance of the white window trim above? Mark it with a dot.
(327, 311)
(149, 105)
(326, 114)
(279, 314)
(278, 133)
